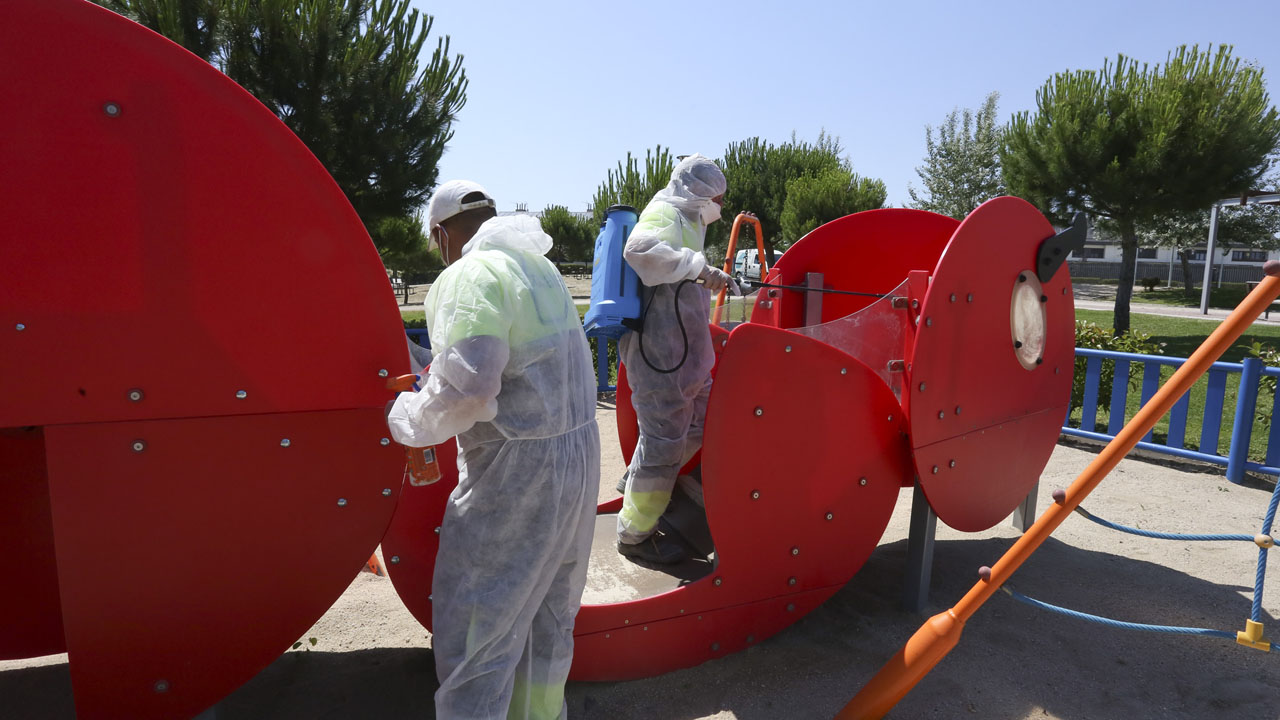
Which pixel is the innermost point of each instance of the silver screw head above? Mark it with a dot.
(437, 529)
(941, 414)
(831, 516)
(788, 348)
(161, 686)
(20, 327)
(969, 298)
(384, 442)
(862, 482)
(724, 341)
(285, 442)
(795, 551)
(139, 445)
(953, 297)
(844, 371)
(240, 394)
(928, 322)
(342, 502)
(715, 647)
(755, 494)
(135, 395)
(791, 581)
(957, 409)
(935, 469)
(383, 372)
(395, 559)
(759, 411)
(386, 492)
(952, 463)
(718, 581)
(922, 386)
(791, 607)
(113, 110)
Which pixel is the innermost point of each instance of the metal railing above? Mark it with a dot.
(1247, 382)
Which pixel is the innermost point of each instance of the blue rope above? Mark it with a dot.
(1165, 536)
(1255, 613)
(1117, 623)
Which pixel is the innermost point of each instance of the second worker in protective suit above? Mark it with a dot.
(669, 359)
(512, 378)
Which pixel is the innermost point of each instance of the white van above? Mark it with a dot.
(746, 266)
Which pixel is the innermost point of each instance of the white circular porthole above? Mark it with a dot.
(1027, 319)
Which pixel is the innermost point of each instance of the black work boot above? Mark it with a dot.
(659, 549)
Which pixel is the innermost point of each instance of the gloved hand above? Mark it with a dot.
(715, 279)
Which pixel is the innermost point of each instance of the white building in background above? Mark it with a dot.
(1100, 258)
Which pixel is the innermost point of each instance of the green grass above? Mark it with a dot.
(1181, 336)
(1226, 297)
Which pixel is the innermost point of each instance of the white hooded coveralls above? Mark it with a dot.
(513, 379)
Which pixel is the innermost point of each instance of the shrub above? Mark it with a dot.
(1090, 335)
(1149, 283)
(1270, 357)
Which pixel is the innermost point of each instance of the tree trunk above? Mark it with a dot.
(1188, 285)
(1128, 267)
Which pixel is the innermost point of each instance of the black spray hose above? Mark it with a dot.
(802, 288)
(679, 320)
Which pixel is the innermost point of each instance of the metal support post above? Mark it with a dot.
(924, 525)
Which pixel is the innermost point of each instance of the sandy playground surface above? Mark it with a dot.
(373, 660)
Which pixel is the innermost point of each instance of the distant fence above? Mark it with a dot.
(1243, 380)
(1110, 269)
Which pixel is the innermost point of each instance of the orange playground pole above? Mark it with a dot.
(728, 255)
(940, 633)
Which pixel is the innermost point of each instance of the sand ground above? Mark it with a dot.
(373, 660)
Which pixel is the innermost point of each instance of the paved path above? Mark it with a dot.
(1102, 297)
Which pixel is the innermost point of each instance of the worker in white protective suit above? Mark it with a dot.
(669, 359)
(512, 378)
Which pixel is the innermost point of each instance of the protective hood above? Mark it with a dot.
(694, 181)
(514, 232)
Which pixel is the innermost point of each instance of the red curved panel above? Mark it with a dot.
(164, 598)
(782, 488)
(31, 617)
(409, 546)
(869, 251)
(170, 235)
(629, 427)
(179, 270)
(971, 402)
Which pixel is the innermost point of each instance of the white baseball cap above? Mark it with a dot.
(446, 201)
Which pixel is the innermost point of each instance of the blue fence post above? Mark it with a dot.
(1242, 426)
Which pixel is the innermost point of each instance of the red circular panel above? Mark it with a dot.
(982, 425)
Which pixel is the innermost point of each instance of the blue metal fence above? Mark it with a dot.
(1246, 377)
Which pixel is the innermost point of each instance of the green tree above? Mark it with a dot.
(758, 172)
(345, 77)
(574, 237)
(813, 201)
(406, 256)
(631, 186)
(1129, 143)
(962, 165)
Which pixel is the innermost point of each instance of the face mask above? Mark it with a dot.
(443, 243)
(710, 213)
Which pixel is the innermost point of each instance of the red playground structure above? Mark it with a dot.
(197, 340)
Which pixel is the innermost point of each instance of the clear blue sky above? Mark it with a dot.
(561, 91)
